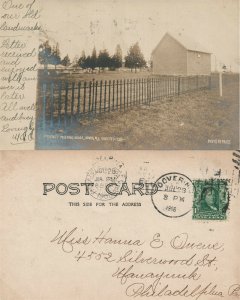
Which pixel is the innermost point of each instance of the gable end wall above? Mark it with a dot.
(169, 58)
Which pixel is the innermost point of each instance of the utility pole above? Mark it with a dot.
(220, 83)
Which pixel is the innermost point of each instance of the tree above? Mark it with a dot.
(88, 62)
(45, 54)
(75, 60)
(93, 60)
(104, 60)
(66, 61)
(135, 58)
(117, 58)
(55, 56)
(82, 61)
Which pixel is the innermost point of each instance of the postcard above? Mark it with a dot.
(109, 225)
(119, 74)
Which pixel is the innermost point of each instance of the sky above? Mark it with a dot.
(82, 24)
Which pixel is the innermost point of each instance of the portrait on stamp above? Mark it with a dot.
(210, 199)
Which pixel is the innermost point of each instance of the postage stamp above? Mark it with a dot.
(211, 199)
(104, 171)
(175, 195)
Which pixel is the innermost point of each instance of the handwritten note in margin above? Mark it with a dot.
(19, 30)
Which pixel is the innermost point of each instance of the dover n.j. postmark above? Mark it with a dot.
(175, 195)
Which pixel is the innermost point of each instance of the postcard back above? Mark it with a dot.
(104, 225)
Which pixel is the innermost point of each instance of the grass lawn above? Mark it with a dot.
(195, 120)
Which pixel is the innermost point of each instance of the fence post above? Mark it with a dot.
(179, 85)
(59, 102)
(66, 104)
(105, 95)
(109, 94)
(124, 95)
(220, 84)
(100, 102)
(72, 103)
(120, 94)
(127, 91)
(169, 86)
(96, 94)
(136, 92)
(156, 89)
(84, 97)
(151, 87)
(139, 91)
(90, 97)
(134, 89)
(44, 106)
(52, 105)
(113, 93)
(148, 90)
(168, 89)
(93, 95)
(210, 82)
(117, 95)
(159, 89)
(79, 95)
(130, 92)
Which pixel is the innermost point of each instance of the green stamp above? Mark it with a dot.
(211, 199)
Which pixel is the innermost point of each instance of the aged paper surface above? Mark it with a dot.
(119, 75)
(106, 225)
(114, 74)
(19, 39)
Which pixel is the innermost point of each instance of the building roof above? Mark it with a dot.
(186, 42)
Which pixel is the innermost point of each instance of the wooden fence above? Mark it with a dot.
(227, 78)
(62, 102)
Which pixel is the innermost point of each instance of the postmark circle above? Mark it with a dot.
(104, 171)
(174, 198)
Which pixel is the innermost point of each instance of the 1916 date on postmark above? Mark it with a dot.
(175, 195)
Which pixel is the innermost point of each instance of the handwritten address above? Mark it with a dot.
(157, 267)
